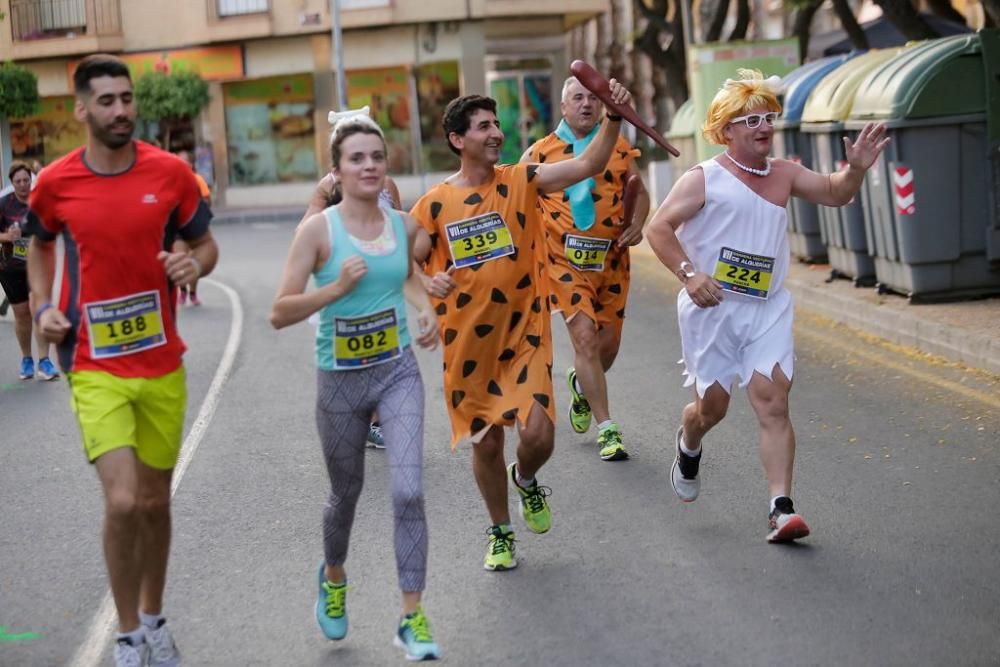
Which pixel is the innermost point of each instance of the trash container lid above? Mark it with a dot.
(939, 77)
(684, 123)
(832, 98)
(796, 86)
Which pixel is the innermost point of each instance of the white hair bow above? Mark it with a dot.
(772, 83)
(335, 117)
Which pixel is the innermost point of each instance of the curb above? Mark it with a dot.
(903, 328)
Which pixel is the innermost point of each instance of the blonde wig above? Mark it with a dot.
(737, 97)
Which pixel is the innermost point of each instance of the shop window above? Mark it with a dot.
(437, 84)
(387, 92)
(49, 134)
(269, 130)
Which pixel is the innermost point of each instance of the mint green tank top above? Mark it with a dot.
(368, 325)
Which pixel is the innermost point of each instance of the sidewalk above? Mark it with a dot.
(966, 332)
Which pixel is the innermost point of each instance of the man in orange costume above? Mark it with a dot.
(588, 258)
(487, 255)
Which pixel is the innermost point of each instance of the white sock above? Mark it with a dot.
(135, 637)
(522, 482)
(150, 620)
(689, 452)
(604, 424)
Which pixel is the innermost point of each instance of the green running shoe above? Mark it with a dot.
(534, 508)
(414, 637)
(579, 408)
(500, 555)
(610, 442)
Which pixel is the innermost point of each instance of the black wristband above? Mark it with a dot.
(612, 116)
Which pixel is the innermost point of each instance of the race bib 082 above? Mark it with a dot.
(366, 340)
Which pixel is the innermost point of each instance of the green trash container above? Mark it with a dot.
(828, 107)
(804, 239)
(928, 198)
(681, 135)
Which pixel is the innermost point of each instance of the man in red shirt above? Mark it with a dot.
(118, 205)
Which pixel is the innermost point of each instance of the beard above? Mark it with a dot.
(105, 135)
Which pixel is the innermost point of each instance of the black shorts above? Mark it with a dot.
(15, 285)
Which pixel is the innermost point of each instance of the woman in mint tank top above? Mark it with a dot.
(360, 257)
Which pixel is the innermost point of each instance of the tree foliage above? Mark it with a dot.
(170, 97)
(18, 91)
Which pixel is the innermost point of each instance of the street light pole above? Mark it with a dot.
(338, 53)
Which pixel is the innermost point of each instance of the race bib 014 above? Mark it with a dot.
(587, 253)
(744, 273)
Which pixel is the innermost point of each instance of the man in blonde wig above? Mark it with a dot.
(722, 232)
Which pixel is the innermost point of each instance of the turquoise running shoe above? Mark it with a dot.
(331, 607)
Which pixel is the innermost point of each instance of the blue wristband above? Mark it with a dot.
(38, 313)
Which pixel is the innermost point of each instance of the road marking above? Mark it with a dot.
(101, 626)
(16, 636)
(882, 360)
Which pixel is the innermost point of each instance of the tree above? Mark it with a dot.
(742, 21)
(170, 99)
(805, 10)
(903, 15)
(850, 24)
(663, 40)
(18, 94)
(714, 31)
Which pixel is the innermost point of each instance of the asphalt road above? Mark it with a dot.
(898, 474)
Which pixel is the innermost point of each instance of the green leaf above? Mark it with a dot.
(18, 91)
(170, 97)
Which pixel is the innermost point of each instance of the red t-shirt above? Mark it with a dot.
(115, 291)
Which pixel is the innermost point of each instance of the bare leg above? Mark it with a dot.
(118, 473)
(705, 412)
(589, 370)
(491, 474)
(154, 535)
(22, 327)
(769, 399)
(537, 442)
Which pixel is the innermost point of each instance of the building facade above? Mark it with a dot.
(270, 66)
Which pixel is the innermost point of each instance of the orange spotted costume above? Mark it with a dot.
(599, 294)
(495, 324)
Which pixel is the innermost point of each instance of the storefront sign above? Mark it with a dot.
(214, 63)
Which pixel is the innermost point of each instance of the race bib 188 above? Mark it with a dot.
(366, 340)
(587, 253)
(125, 325)
(744, 273)
(479, 239)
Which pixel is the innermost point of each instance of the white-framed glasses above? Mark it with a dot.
(753, 120)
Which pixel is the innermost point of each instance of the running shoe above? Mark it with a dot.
(500, 555)
(684, 472)
(27, 368)
(375, 438)
(610, 442)
(46, 369)
(579, 408)
(182, 296)
(162, 649)
(534, 508)
(331, 607)
(785, 525)
(127, 654)
(195, 301)
(414, 637)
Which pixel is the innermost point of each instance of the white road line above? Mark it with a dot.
(101, 626)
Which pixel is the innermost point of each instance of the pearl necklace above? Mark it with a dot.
(750, 170)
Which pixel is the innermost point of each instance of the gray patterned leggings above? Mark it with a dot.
(344, 403)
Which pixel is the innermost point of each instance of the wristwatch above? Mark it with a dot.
(686, 271)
